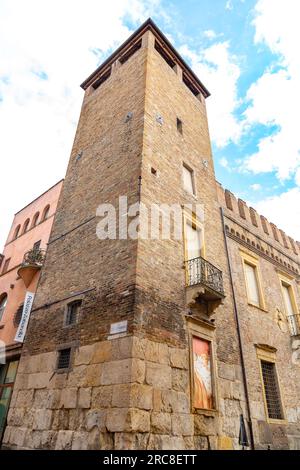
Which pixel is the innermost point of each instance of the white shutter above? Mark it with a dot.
(288, 301)
(193, 241)
(252, 285)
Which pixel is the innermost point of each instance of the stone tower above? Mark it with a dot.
(109, 355)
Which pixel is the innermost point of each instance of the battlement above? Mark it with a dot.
(250, 217)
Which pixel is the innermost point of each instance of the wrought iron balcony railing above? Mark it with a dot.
(294, 324)
(34, 257)
(202, 272)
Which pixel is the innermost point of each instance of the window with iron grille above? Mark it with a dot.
(72, 312)
(271, 389)
(64, 358)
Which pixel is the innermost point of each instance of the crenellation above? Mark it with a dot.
(251, 218)
(242, 209)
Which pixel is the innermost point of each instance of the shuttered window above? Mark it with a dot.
(188, 180)
(193, 241)
(288, 300)
(252, 284)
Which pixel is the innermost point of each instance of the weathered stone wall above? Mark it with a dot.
(124, 393)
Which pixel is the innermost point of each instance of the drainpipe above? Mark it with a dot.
(239, 334)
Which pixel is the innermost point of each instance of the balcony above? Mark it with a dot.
(294, 324)
(32, 262)
(204, 283)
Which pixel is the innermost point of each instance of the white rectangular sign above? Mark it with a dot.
(119, 327)
(20, 335)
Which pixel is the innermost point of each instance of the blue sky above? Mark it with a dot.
(245, 52)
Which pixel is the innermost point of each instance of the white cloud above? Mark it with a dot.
(255, 186)
(210, 34)
(37, 116)
(217, 68)
(283, 210)
(275, 96)
(229, 5)
(223, 162)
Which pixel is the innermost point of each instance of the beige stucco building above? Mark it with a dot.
(152, 343)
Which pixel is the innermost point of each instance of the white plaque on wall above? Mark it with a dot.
(119, 327)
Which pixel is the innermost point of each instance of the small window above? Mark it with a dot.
(290, 308)
(3, 302)
(36, 245)
(252, 284)
(25, 226)
(271, 390)
(179, 125)
(18, 315)
(188, 179)
(46, 212)
(64, 359)
(153, 171)
(6, 266)
(72, 312)
(17, 231)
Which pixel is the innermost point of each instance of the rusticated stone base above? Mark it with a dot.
(126, 393)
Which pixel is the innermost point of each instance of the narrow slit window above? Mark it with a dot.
(36, 245)
(3, 303)
(179, 125)
(18, 316)
(64, 359)
(271, 390)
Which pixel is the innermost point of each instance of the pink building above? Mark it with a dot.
(20, 266)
